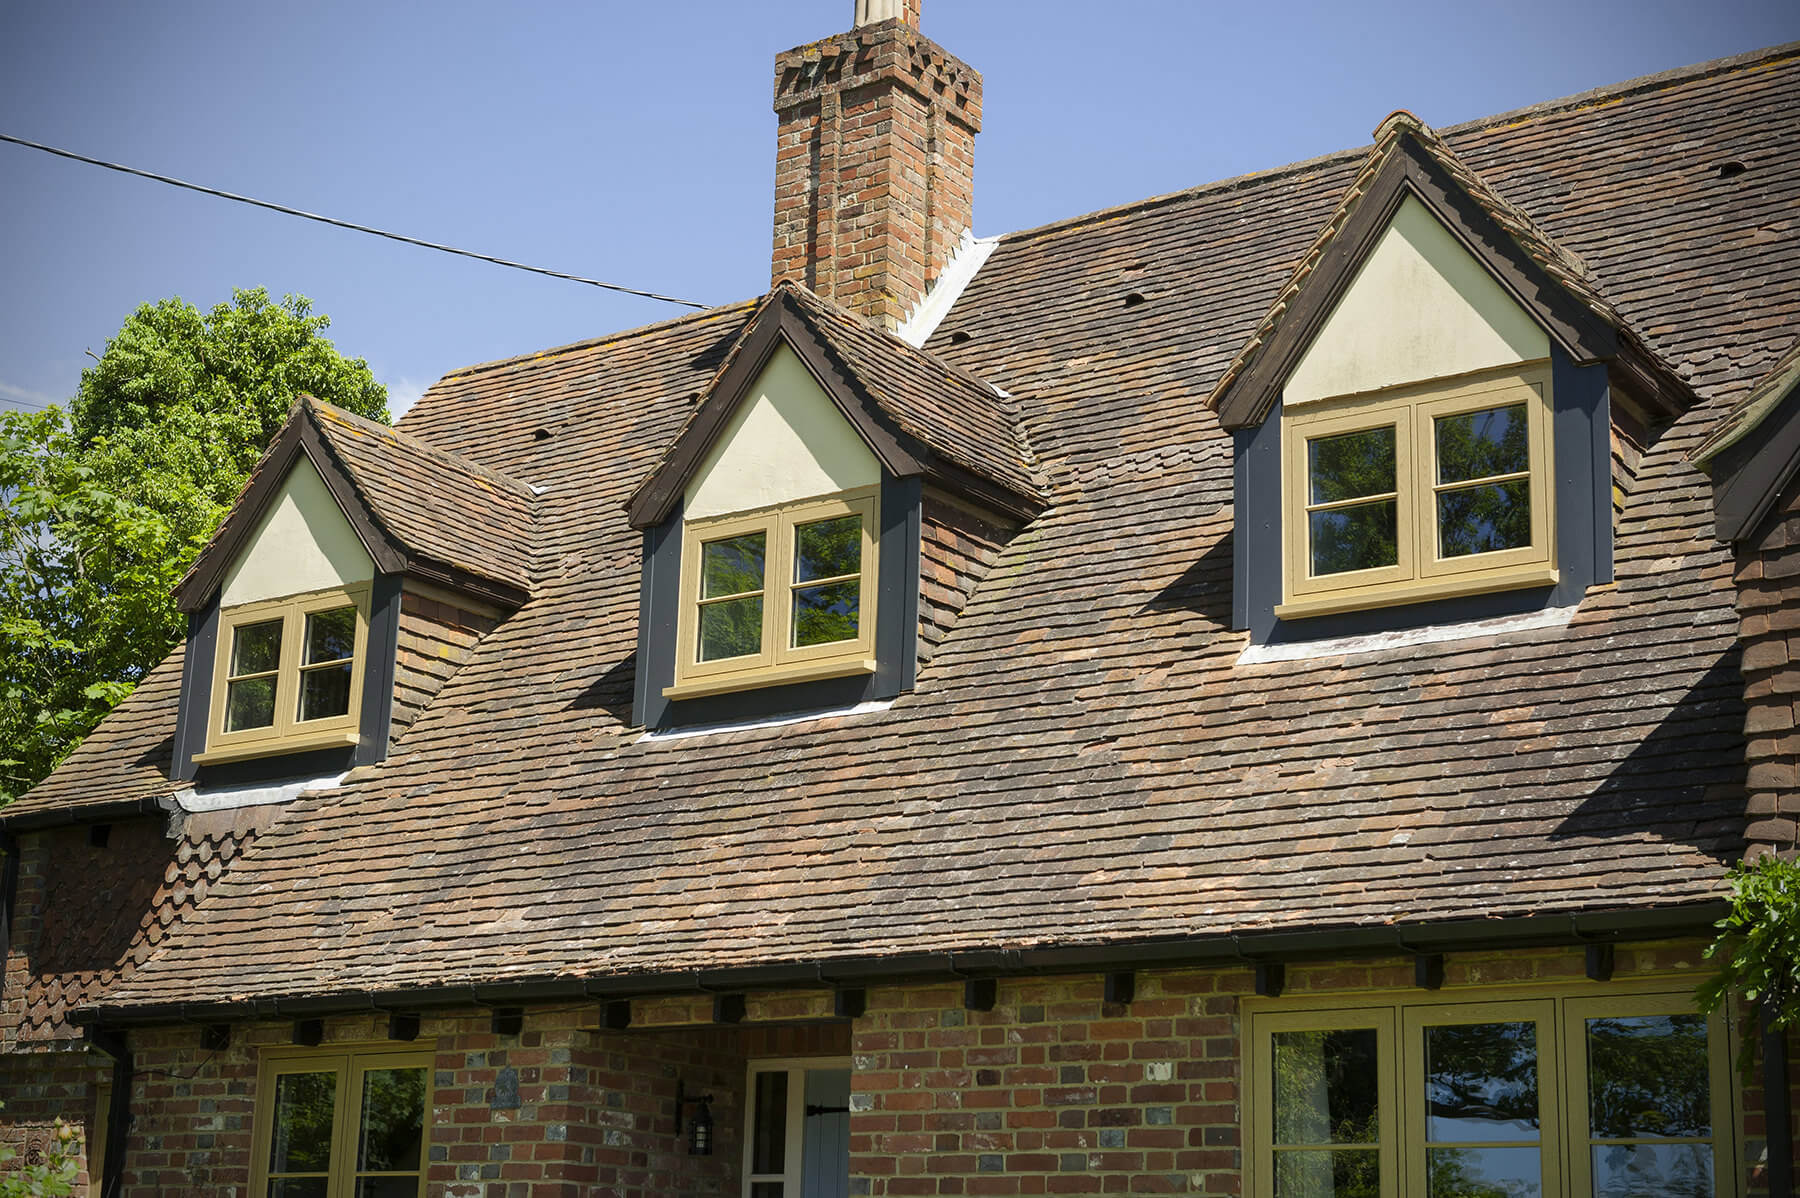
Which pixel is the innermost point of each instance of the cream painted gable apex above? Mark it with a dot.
(785, 442)
(303, 543)
(1420, 307)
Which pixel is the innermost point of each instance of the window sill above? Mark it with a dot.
(273, 748)
(720, 684)
(1417, 592)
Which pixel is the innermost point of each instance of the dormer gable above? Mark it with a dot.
(783, 525)
(1544, 280)
(1424, 420)
(351, 543)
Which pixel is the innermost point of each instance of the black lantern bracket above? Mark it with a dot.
(700, 1127)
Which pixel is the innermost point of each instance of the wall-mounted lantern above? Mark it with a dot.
(700, 1127)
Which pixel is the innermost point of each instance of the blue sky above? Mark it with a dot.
(634, 142)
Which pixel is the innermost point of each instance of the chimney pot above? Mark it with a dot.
(869, 12)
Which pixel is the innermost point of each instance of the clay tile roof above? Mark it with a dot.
(1744, 416)
(439, 504)
(943, 406)
(1090, 760)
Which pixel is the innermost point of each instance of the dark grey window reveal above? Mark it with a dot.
(372, 727)
(1582, 436)
(896, 629)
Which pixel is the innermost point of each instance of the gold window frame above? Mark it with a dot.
(350, 1063)
(1399, 1020)
(288, 733)
(1419, 573)
(776, 662)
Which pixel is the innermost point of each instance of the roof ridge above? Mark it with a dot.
(1636, 85)
(1626, 88)
(602, 339)
(328, 411)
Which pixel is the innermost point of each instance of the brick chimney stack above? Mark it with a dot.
(875, 162)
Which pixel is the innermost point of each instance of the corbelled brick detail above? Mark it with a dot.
(874, 166)
(1768, 602)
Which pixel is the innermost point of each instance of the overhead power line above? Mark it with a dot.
(343, 224)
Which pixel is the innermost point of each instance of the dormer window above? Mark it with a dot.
(778, 596)
(1419, 492)
(783, 526)
(289, 673)
(1423, 421)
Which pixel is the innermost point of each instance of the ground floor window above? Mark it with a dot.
(342, 1124)
(797, 1129)
(1625, 1096)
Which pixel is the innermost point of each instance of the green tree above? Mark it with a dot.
(1758, 948)
(103, 510)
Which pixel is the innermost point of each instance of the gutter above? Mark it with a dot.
(1173, 952)
(88, 813)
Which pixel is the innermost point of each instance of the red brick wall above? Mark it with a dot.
(1768, 600)
(40, 1088)
(874, 166)
(557, 1111)
(1052, 1092)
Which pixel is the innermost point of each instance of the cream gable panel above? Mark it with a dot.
(787, 441)
(302, 544)
(1422, 307)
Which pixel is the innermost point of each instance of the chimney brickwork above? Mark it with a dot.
(875, 163)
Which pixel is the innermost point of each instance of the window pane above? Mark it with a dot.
(1352, 1173)
(1325, 1087)
(1351, 465)
(325, 692)
(393, 1120)
(732, 566)
(768, 1139)
(256, 648)
(1482, 444)
(331, 635)
(249, 704)
(731, 628)
(1355, 538)
(1481, 1083)
(305, 1104)
(767, 1189)
(827, 613)
(1653, 1171)
(298, 1187)
(1648, 1077)
(828, 549)
(1483, 1172)
(1482, 519)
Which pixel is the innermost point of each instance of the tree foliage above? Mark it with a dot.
(1758, 947)
(102, 510)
